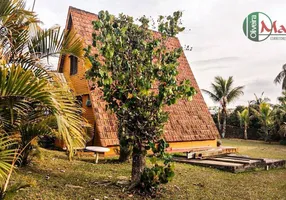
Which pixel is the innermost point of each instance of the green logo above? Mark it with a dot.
(257, 26)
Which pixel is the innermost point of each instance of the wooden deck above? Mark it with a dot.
(233, 163)
(224, 158)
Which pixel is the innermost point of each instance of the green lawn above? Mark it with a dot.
(98, 181)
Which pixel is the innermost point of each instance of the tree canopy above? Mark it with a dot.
(137, 74)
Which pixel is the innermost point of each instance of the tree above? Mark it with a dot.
(28, 102)
(244, 120)
(216, 112)
(232, 118)
(282, 132)
(281, 77)
(280, 115)
(282, 99)
(265, 114)
(224, 93)
(27, 48)
(254, 104)
(258, 100)
(136, 72)
(30, 95)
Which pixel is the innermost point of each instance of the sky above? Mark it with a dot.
(213, 29)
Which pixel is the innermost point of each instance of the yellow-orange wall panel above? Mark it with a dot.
(88, 113)
(210, 143)
(77, 81)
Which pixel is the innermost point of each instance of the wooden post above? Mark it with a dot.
(96, 157)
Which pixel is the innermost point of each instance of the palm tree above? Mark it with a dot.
(281, 77)
(27, 100)
(266, 115)
(280, 115)
(259, 100)
(25, 45)
(244, 120)
(28, 105)
(282, 99)
(224, 93)
(280, 109)
(33, 101)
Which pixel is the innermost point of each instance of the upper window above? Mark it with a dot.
(73, 65)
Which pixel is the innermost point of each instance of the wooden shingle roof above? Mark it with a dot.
(188, 121)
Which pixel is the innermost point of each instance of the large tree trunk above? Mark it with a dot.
(25, 155)
(138, 165)
(245, 132)
(224, 125)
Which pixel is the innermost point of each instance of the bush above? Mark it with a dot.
(153, 177)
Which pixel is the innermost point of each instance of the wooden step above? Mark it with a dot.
(226, 159)
(235, 156)
(226, 166)
(211, 152)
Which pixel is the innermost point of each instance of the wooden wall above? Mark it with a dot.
(77, 82)
(210, 143)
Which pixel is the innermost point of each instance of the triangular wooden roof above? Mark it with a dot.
(188, 121)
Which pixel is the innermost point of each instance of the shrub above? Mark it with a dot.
(153, 177)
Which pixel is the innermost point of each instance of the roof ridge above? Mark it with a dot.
(78, 9)
(81, 10)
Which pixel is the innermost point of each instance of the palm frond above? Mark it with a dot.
(243, 117)
(222, 90)
(284, 83)
(53, 41)
(229, 84)
(17, 83)
(281, 77)
(214, 97)
(18, 89)
(8, 7)
(265, 114)
(221, 83)
(70, 124)
(217, 90)
(234, 93)
(8, 153)
(282, 99)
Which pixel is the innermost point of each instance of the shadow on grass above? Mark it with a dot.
(100, 161)
(85, 180)
(89, 158)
